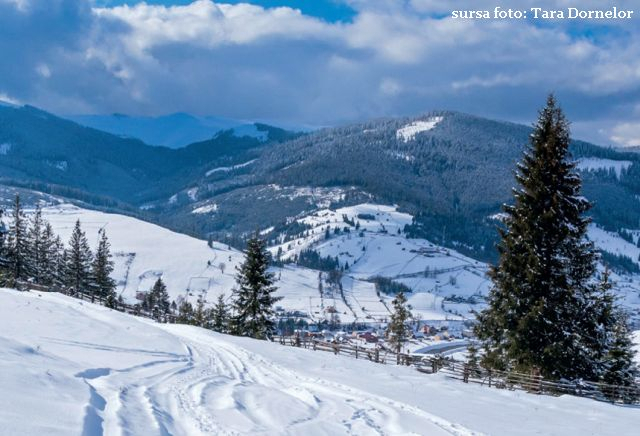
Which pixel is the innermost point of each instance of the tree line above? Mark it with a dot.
(31, 252)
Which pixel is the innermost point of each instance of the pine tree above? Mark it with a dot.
(18, 248)
(159, 300)
(253, 296)
(621, 369)
(473, 362)
(35, 246)
(78, 261)
(59, 260)
(50, 253)
(398, 330)
(102, 283)
(220, 316)
(185, 313)
(4, 256)
(544, 307)
(200, 315)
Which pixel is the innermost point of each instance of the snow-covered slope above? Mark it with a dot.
(597, 164)
(445, 284)
(443, 281)
(143, 252)
(71, 368)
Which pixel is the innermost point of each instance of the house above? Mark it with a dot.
(368, 337)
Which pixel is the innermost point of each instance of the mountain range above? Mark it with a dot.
(450, 170)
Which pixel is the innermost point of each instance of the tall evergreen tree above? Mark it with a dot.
(36, 254)
(220, 315)
(398, 330)
(545, 309)
(4, 256)
(50, 253)
(78, 261)
(59, 260)
(18, 248)
(159, 300)
(253, 295)
(620, 366)
(201, 314)
(103, 285)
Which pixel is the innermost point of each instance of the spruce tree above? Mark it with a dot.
(78, 261)
(253, 296)
(185, 313)
(620, 366)
(18, 248)
(398, 330)
(50, 253)
(220, 316)
(59, 260)
(102, 283)
(545, 309)
(4, 255)
(159, 300)
(36, 254)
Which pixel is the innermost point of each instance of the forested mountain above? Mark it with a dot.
(452, 171)
(36, 146)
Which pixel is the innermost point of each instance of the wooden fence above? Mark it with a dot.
(87, 296)
(466, 373)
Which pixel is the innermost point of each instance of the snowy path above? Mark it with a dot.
(141, 378)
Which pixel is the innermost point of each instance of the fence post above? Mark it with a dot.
(356, 351)
(377, 354)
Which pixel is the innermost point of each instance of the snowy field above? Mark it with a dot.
(144, 251)
(69, 368)
(446, 284)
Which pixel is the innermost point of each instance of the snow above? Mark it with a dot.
(595, 164)
(213, 207)
(408, 132)
(143, 252)
(379, 248)
(192, 194)
(447, 286)
(231, 168)
(89, 370)
(61, 165)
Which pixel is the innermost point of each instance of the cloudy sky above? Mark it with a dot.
(321, 62)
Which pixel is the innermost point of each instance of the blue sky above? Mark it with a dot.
(320, 62)
(329, 10)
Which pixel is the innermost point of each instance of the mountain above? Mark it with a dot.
(450, 171)
(173, 131)
(37, 147)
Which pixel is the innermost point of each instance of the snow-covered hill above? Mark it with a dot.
(445, 284)
(143, 252)
(69, 367)
(372, 243)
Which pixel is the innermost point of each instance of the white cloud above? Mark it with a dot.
(241, 60)
(43, 70)
(8, 99)
(626, 134)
